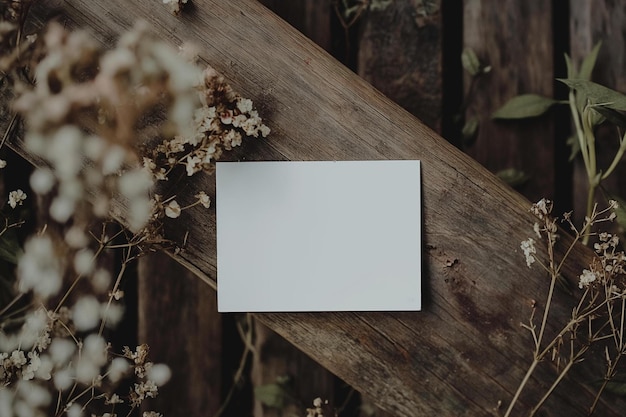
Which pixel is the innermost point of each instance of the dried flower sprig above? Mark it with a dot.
(91, 116)
(599, 312)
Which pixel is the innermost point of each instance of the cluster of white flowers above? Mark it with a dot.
(85, 118)
(586, 278)
(219, 125)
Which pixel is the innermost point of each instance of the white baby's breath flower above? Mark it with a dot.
(61, 350)
(112, 314)
(39, 268)
(159, 374)
(113, 159)
(84, 261)
(244, 105)
(75, 410)
(172, 209)
(16, 198)
(42, 180)
(586, 278)
(204, 199)
(117, 369)
(76, 238)
(528, 247)
(63, 379)
(86, 313)
(35, 395)
(192, 164)
(101, 280)
(45, 368)
(93, 358)
(62, 208)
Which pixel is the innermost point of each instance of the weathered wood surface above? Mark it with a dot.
(465, 352)
(400, 53)
(514, 37)
(178, 319)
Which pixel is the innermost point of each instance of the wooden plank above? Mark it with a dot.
(515, 38)
(590, 23)
(400, 53)
(178, 319)
(465, 352)
(277, 362)
(276, 357)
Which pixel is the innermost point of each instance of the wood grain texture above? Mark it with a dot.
(399, 53)
(465, 351)
(515, 38)
(275, 359)
(178, 319)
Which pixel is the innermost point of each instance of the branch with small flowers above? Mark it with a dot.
(598, 315)
(108, 127)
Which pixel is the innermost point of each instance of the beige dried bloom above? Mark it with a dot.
(172, 209)
(542, 208)
(528, 247)
(203, 199)
(587, 278)
(16, 198)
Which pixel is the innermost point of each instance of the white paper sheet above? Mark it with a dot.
(318, 236)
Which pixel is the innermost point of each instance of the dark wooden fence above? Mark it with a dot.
(465, 352)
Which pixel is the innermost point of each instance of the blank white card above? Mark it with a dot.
(318, 236)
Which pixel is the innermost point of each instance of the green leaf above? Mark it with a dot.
(470, 62)
(272, 395)
(613, 116)
(10, 247)
(470, 131)
(589, 63)
(513, 177)
(571, 71)
(597, 94)
(574, 145)
(526, 105)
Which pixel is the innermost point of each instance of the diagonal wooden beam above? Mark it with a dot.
(465, 352)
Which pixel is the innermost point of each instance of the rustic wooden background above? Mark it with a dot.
(410, 51)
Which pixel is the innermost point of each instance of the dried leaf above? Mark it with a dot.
(526, 105)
